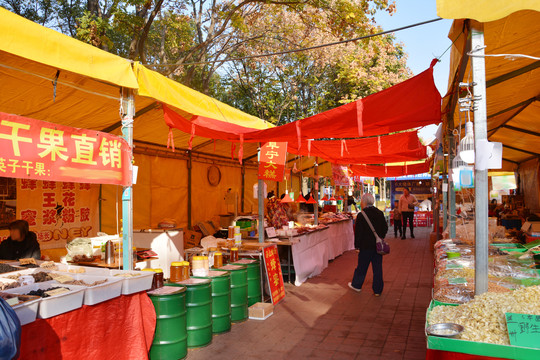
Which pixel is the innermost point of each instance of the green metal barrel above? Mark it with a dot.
(199, 311)
(253, 280)
(221, 300)
(239, 293)
(170, 338)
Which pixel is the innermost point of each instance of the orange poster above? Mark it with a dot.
(272, 161)
(58, 211)
(274, 274)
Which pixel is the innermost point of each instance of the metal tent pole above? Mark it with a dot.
(445, 201)
(189, 193)
(316, 193)
(481, 190)
(127, 193)
(435, 208)
(451, 213)
(260, 198)
(243, 195)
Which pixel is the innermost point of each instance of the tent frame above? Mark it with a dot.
(481, 188)
(127, 192)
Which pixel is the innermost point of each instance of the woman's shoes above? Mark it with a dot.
(353, 288)
(377, 295)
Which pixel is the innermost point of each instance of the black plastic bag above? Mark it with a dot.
(10, 332)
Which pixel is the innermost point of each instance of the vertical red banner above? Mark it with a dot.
(273, 273)
(272, 161)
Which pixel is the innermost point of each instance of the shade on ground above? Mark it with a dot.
(324, 319)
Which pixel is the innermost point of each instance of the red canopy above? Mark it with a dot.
(412, 103)
(404, 146)
(389, 171)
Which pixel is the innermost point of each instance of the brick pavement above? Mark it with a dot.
(324, 319)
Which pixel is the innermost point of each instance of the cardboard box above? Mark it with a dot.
(260, 311)
(531, 226)
(207, 228)
(191, 239)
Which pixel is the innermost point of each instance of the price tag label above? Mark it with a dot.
(271, 232)
(27, 261)
(523, 330)
(58, 291)
(453, 266)
(457, 281)
(12, 301)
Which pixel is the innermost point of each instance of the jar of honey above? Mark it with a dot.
(218, 260)
(197, 262)
(158, 278)
(185, 270)
(176, 271)
(234, 255)
(206, 263)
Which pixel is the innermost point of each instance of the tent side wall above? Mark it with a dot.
(160, 193)
(528, 182)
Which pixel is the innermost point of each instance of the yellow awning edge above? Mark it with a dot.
(190, 103)
(26, 39)
(483, 10)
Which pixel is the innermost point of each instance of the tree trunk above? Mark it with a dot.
(93, 7)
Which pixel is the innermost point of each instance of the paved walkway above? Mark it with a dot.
(324, 319)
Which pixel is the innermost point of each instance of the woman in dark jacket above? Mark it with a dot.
(365, 242)
(21, 244)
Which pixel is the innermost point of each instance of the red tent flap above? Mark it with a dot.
(404, 146)
(412, 103)
(389, 171)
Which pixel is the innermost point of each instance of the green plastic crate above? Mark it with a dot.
(477, 348)
(508, 245)
(520, 250)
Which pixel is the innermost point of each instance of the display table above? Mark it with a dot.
(312, 251)
(121, 328)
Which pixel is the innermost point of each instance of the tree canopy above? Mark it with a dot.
(192, 41)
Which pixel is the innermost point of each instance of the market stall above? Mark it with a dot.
(486, 278)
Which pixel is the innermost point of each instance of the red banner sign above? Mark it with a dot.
(273, 273)
(272, 161)
(35, 149)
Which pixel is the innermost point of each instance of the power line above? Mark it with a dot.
(302, 49)
(448, 48)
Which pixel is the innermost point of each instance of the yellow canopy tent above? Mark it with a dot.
(506, 94)
(49, 76)
(513, 86)
(483, 10)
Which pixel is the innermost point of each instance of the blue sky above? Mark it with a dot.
(422, 43)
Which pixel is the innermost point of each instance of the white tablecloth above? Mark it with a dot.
(312, 251)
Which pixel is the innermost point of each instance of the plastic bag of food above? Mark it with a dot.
(453, 294)
(79, 249)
